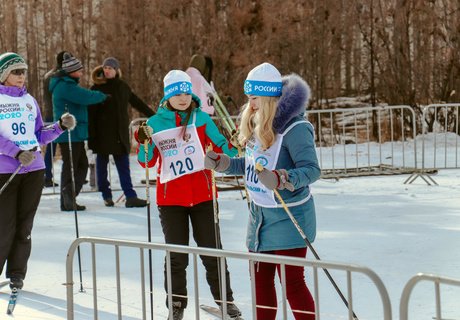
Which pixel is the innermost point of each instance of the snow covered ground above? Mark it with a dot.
(378, 222)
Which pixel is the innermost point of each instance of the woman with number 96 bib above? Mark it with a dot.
(178, 135)
(22, 167)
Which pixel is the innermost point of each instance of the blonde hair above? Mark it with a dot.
(259, 122)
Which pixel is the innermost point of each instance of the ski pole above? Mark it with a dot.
(74, 203)
(260, 168)
(147, 191)
(215, 208)
(14, 174)
(11, 178)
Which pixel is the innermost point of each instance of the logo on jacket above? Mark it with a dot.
(29, 106)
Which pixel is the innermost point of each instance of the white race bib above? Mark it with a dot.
(179, 157)
(268, 158)
(17, 120)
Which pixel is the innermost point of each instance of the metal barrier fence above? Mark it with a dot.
(437, 281)
(349, 141)
(442, 121)
(223, 255)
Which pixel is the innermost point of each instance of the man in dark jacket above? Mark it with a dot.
(109, 130)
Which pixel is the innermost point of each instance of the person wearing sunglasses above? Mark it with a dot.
(22, 133)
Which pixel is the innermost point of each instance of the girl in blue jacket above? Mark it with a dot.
(275, 133)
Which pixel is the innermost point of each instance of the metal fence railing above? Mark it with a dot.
(101, 279)
(378, 140)
(437, 281)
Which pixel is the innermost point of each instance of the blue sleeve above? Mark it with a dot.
(301, 146)
(236, 166)
(78, 95)
(45, 134)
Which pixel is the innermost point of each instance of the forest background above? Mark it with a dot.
(396, 51)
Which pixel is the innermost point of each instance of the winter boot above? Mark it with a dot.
(79, 208)
(16, 282)
(49, 183)
(109, 202)
(135, 202)
(232, 310)
(178, 311)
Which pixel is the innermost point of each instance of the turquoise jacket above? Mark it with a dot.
(271, 228)
(193, 188)
(69, 96)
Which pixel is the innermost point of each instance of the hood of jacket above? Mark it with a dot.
(57, 77)
(97, 75)
(293, 101)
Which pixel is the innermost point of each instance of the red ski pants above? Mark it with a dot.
(298, 295)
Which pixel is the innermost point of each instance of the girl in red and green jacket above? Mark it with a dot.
(178, 135)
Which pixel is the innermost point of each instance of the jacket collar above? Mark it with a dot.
(13, 91)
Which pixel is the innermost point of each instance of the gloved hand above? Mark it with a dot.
(67, 121)
(276, 179)
(25, 157)
(217, 162)
(144, 132)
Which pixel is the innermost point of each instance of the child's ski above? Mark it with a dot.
(12, 302)
(217, 313)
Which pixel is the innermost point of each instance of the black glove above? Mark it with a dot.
(217, 162)
(144, 132)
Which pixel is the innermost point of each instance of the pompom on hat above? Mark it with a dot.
(263, 80)
(176, 82)
(10, 61)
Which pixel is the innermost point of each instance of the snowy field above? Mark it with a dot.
(378, 222)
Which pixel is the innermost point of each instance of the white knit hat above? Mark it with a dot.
(263, 80)
(10, 61)
(176, 82)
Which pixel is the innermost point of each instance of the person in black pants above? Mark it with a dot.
(21, 165)
(109, 130)
(69, 96)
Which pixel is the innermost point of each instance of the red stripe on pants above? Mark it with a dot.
(298, 295)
